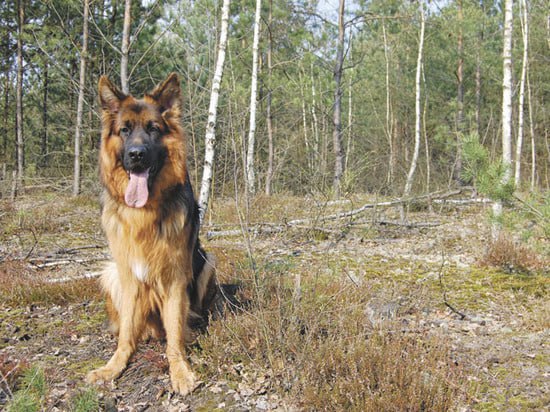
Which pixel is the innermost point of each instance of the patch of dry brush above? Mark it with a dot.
(323, 352)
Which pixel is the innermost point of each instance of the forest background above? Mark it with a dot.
(295, 150)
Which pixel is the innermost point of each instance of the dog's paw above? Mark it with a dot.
(183, 380)
(103, 374)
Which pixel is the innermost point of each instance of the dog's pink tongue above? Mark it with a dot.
(137, 192)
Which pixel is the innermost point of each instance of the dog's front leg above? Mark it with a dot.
(132, 318)
(174, 317)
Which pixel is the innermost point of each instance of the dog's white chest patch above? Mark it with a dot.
(140, 270)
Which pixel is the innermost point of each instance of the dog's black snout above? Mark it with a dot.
(137, 153)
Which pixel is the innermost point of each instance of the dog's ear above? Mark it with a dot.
(168, 94)
(109, 95)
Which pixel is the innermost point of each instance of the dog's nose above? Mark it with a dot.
(137, 153)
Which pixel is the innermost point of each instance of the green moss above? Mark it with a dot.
(86, 365)
(208, 406)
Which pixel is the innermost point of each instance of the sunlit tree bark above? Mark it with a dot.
(250, 173)
(210, 137)
(80, 104)
(125, 49)
(414, 160)
(506, 106)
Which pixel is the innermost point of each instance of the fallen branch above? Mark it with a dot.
(463, 201)
(61, 262)
(87, 275)
(350, 213)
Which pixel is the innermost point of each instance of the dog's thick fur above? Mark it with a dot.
(160, 272)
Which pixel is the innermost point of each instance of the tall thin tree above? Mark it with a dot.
(250, 173)
(125, 49)
(19, 99)
(337, 109)
(460, 92)
(80, 104)
(44, 140)
(524, 20)
(269, 114)
(414, 160)
(506, 106)
(210, 137)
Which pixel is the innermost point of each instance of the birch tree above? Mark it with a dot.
(210, 137)
(19, 99)
(125, 49)
(250, 174)
(414, 160)
(506, 106)
(269, 115)
(80, 104)
(389, 120)
(524, 20)
(460, 92)
(337, 110)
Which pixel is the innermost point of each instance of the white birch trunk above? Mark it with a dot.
(269, 115)
(506, 106)
(18, 180)
(532, 134)
(315, 128)
(125, 47)
(524, 20)
(80, 104)
(414, 160)
(389, 123)
(337, 114)
(210, 137)
(250, 174)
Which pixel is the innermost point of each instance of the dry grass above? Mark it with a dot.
(322, 351)
(506, 254)
(21, 285)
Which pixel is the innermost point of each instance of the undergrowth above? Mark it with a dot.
(321, 350)
(512, 257)
(30, 396)
(21, 285)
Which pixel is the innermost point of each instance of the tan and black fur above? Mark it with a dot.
(159, 272)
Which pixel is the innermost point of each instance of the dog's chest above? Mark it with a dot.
(139, 270)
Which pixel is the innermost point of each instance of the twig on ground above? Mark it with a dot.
(445, 301)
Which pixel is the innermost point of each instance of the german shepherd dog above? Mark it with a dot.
(160, 272)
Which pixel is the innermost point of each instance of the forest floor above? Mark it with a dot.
(360, 313)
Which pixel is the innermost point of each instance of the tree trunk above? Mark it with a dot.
(425, 132)
(524, 20)
(44, 140)
(125, 47)
(337, 113)
(506, 106)
(309, 150)
(210, 136)
(80, 104)
(19, 100)
(315, 128)
(389, 121)
(479, 48)
(6, 115)
(414, 160)
(269, 115)
(250, 174)
(459, 94)
(349, 147)
(532, 134)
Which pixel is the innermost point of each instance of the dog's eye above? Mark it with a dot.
(124, 130)
(154, 129)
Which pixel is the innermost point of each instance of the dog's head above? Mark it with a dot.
(142, 148)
